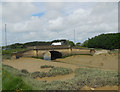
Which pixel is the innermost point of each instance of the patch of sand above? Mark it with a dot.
(101, 88)
(32, 64)
(103, 61)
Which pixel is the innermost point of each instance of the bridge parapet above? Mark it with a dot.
(49, 47)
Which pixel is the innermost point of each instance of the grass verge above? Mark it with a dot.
(6, 54)
(12, 82)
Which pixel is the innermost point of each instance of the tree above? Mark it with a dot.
(104, 41)
(85, 43)
(78, 44)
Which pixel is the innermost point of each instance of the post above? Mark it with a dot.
(70, 50)
(5, 35)
(74, 36)
(36, 52)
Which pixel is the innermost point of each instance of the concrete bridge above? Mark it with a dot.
(52, 51)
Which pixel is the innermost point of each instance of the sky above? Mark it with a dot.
(47, 21)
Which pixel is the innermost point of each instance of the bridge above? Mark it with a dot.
(52, 51)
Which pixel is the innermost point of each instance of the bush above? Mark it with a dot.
(24, 71)
(60, 71)
(53, 72)
(47, 66)
(35, 74)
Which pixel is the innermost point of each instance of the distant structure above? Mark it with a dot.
(56, 43)
(62, 42)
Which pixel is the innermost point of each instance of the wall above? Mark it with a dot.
(40, 53)
(80, 51)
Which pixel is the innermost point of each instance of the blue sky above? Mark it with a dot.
(48, 21)
(39, 14)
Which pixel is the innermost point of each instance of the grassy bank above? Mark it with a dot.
(13, 82)
(6, 54)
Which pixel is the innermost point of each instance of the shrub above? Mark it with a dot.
(35, 74)
(53, 72)
(60, 71)
(47, 66)
(24, 71)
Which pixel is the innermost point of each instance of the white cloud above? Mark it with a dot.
(59, 20)
(56, 24)
(16, 12)
(61, 0)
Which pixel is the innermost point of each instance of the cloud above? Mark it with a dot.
(59, 20)
(16, 12)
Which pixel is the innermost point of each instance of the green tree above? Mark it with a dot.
(78, 44)
(104, 41)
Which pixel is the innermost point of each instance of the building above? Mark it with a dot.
(56, 43)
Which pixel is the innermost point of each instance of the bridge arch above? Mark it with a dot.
(55, 55)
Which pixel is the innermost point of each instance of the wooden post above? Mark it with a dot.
(70, 50)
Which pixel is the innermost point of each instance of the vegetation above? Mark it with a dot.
(83, 77)
(24, 71)
(36, 43)
(85, 43)
(90, 77)
(37, 57)
(12, 82)
(6, 54)
(96, 77)
(78, 44)
(53, 72)
(104, 41)
(47, 66)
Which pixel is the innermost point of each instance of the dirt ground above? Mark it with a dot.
(33, 65)
(103, 88)
(103, 61)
